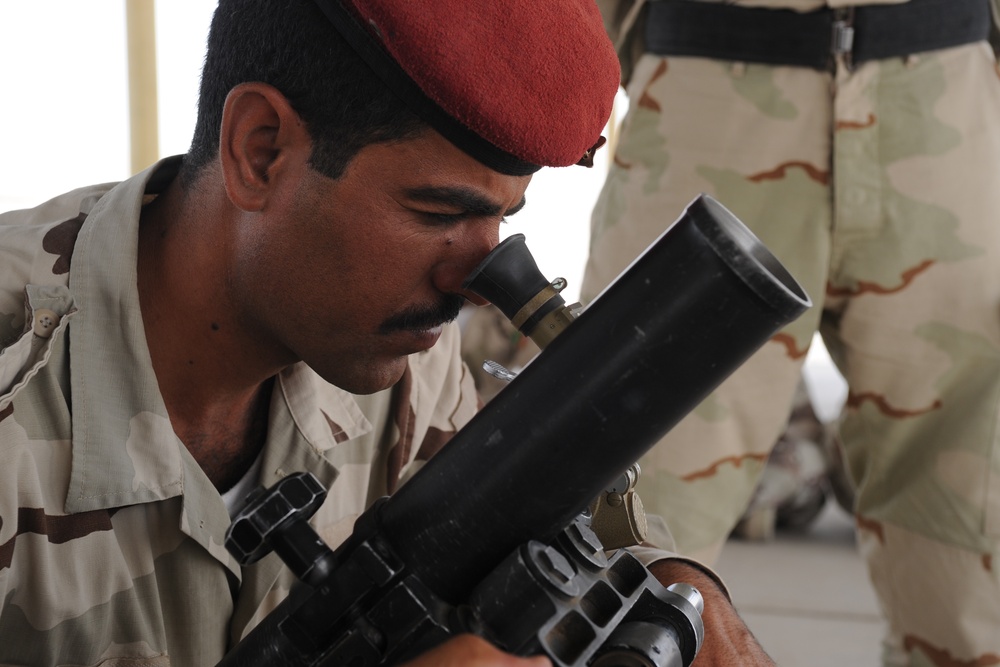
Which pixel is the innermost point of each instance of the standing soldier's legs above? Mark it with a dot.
(757, 139)
(911, 308)
(913, 316)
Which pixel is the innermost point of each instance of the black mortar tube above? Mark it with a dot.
(686, 314)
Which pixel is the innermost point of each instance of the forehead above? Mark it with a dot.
(430, 167)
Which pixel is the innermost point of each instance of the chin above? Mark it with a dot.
(367, 379)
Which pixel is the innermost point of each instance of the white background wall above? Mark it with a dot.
(64, 116)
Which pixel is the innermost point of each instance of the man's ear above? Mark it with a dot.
(261, 134)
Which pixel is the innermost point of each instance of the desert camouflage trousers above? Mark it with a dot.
(879, 189)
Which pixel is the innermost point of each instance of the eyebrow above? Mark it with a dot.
(468, 201)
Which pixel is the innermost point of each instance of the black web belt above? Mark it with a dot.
(813, 39)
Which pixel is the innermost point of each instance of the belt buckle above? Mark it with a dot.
(842, 38)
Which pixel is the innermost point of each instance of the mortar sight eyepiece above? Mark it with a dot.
(509, 278)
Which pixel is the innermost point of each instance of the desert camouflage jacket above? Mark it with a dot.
(110, 534)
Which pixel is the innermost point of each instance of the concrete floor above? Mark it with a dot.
(806, 596)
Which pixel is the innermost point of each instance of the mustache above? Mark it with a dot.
(420, 318)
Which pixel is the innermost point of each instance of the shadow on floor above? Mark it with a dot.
(806, 596)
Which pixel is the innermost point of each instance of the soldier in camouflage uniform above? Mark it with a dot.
(144, 509)
(272, 302)
(877, 184)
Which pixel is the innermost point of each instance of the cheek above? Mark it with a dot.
(366, 283)
(365, 255)
(402, 263)
(394, 278)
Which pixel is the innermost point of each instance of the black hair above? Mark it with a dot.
(289, 44)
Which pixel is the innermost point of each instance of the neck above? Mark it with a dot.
(225, 449)
(214, 378)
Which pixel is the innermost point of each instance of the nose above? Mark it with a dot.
(462, 254)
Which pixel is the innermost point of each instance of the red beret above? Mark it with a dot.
(517, 84)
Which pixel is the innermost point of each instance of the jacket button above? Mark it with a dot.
(45, 322)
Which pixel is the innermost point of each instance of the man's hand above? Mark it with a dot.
(473, 651)
(728, 641)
